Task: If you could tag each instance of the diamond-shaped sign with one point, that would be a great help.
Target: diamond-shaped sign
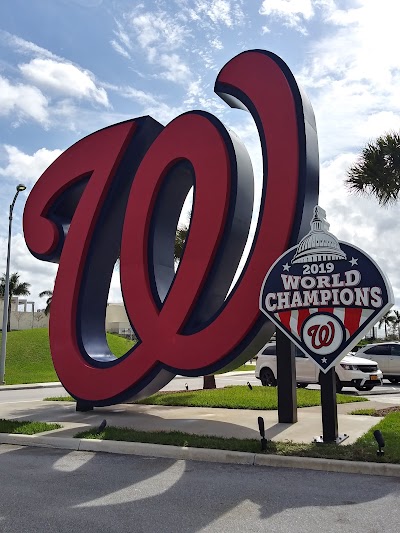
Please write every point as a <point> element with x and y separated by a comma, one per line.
<point>325,294</point>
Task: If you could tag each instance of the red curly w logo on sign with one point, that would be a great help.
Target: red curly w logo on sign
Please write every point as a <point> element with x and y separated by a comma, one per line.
<point>120,191</point>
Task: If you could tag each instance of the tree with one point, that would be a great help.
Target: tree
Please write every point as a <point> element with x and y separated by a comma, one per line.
<point>49,295</point>
<point>387,320</point>
<point>377,171</point>
<point>396,322</point>
<point>16,288</point>
<point>180,239</point>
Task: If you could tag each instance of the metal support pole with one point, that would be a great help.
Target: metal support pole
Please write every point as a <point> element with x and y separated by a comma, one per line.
<point>329,406</point>
<point>286,370</point>
<point>7,290</point>
<point>83,406</point>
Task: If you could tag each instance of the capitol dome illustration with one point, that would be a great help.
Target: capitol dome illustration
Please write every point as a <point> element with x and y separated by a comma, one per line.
<point>318,244</point>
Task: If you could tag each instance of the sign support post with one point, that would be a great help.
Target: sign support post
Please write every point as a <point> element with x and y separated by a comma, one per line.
<point>329,406</point>
<point>286,370</point>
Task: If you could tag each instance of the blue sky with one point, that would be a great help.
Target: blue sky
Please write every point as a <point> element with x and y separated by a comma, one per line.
<point>70,67</point>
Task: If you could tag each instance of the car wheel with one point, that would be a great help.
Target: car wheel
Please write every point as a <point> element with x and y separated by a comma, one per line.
<point>365,387</point>
<point>267,378</point>
<point>394,380</point>
<point>302,385</point>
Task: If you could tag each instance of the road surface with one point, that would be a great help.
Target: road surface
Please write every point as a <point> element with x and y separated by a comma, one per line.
<point>180,382</point>
<point>52,491</point>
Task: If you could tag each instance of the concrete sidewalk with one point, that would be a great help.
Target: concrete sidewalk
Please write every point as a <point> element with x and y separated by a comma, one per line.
<point>237,423</point>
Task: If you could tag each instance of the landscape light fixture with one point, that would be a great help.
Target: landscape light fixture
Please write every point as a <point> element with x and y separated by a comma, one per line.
<point>381,442</point>
<point>249,385</point>
<point>261,427</point>
<point>102,426</point>
<point>20,187</point>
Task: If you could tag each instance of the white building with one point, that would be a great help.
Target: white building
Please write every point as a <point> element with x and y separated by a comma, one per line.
<point>117,319</point>
<point>23,315</point>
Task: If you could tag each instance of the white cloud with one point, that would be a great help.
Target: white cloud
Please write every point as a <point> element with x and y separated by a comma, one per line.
<point>23,101</point>
<point>27,168</point>
<point>56,92</point>
<point>64,79</point>
<point>293,13</point>
<point>123,44</point>
<point>141,97</point>
<point>174,69</point>
<point>160,36</point>
<point>114,293</point>
<point>120,49</point>
<point>217,12</point>
<point>159,30</point>
<point>216,43</point>
<point>353,76</point>
<point>25,47</point>
<point>39,274</point>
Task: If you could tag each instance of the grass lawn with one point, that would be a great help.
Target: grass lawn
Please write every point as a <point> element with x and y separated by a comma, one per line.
<point>28,355</point>
<point>26,427</point>
<point>235,397</point>
<point>364,449</point>
<point>240,397</point>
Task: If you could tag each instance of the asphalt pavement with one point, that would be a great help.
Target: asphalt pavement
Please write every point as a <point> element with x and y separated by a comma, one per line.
<point>52,490</point>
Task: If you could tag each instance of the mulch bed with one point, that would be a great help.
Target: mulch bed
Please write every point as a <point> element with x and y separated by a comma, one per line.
<point>387,410</point>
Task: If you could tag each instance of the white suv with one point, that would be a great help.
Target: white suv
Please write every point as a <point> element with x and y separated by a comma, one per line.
<point>387,354</point>
<point>352,371</point>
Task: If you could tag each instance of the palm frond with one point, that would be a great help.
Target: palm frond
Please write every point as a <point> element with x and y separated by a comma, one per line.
<point>377,171</point>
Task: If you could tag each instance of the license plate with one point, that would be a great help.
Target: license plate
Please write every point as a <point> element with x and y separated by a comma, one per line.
<point>373,378</point>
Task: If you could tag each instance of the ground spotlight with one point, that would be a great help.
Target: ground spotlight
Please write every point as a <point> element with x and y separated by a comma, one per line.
<point>186,386</point>
<point>381,442</point>
<point>261,427</point>
<point>249,385</point>
<point>102,426</point>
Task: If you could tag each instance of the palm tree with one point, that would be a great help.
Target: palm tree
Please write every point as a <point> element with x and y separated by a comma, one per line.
<point>377,171</point>
<point>396,321</point>
<point>387,320</point>
<point>49,295</point>
<point>180,238</point>
<point>16,288</point>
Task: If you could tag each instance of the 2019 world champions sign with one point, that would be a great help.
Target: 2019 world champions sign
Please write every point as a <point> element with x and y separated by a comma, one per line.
<point>119,193</point>
<point>325,294</point>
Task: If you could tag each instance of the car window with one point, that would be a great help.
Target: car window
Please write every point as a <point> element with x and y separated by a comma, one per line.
<point>379,349</point>
<point>270,350</point>
<point>395,349</point>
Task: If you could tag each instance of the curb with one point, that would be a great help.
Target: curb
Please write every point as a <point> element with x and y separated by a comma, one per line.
<point>202,454</point>
<point>23,386</point>
<point>30,386</point>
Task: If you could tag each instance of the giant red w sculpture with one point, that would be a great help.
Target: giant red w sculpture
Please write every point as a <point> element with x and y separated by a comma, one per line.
<point>120,191</point>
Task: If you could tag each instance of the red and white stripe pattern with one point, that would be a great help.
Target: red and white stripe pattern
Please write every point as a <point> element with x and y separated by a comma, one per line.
<point>352,318</point>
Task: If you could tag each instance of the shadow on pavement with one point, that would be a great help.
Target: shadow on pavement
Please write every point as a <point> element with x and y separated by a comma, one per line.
<point>54,491</point>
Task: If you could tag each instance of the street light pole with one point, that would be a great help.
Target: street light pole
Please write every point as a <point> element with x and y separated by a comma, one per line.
<point>20,188</point>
